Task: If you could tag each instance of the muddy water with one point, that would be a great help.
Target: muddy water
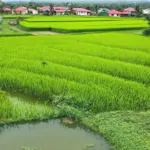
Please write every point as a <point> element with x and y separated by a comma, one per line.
<point>51,135</point>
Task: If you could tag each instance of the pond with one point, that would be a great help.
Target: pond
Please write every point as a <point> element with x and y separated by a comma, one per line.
<point>50,135</point>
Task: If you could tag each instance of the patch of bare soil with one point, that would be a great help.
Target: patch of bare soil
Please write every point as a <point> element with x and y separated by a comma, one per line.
<point>44,33</point>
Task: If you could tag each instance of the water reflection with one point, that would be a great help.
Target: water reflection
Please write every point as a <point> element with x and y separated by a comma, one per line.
<point>50,135</point>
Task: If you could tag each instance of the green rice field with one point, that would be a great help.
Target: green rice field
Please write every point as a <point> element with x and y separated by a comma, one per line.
<point>100,79</point>
<point>75,24</point>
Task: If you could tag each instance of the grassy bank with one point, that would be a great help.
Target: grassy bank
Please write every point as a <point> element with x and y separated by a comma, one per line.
<point>119,127</point>
<point>8,30</point>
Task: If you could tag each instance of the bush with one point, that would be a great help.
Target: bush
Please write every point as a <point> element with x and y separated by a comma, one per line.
<point>147,32</point>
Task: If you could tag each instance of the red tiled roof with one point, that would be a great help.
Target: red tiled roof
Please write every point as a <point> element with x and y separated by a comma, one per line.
<point>57,8</point>
<point>130,9</point>
<point>7,9</point>
<point>82,10</point>
<point>45,8</point>
<point>60,8</point>
<point>20,9</point>
<point>114,12</point>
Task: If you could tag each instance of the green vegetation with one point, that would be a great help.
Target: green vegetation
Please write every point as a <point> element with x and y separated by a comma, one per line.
<point>74,24</point>
<point>147,31</point>
<point>12,16</point>
<point>18,111</point>
<point>8,30</point>
<point>69,73</point>
<point>129,130</point>
<point>74,19</point>
<point>102,80</point>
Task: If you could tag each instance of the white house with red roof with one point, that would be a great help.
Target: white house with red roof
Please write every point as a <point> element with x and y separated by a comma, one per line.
<point>114,13</point>
<point>32,11</point>
<point>21,10</point>
<point>130,9</point>
<point>146,11</point>
<point>59,10</point>
<point>7,10</point>
<point>82,11</point>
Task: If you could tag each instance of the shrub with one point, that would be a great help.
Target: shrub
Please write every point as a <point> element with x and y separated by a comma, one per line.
<point>147,32</point>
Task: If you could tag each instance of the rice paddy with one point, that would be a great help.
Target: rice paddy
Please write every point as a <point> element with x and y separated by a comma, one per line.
<point>99,79</point>
<point>79,24</point>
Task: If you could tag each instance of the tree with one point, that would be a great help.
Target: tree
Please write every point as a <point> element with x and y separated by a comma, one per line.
<point>147,31</point>
<point>96,8</point>
<point>138,11</point>
<point>52,11</point>
<point>1,6</point>
<point>71,8</point>
<point>148,19</point>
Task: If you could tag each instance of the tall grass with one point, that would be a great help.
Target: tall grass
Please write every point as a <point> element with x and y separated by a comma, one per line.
<point>12,111</point>
<point>91,79</point>
<point>83,96</point>
<point>5,106</point>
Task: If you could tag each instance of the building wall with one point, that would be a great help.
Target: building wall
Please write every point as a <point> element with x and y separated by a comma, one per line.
<point>34,12</point>
<point>82,13</point>
<point>146,12</point>
<point>58,13</point>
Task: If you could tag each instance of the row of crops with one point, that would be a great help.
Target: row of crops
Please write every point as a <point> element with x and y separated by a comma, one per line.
<point>91,74</point>
<point>78,24</point>
<point>74,19</point>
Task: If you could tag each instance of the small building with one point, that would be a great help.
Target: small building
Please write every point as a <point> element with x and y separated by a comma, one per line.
<point>129,12</point>
<point>59,10</point>
<point>44,8</point>
<point>125,13</point>
<point>7,10</point>
<point>103,11</point>
<point>82,11</point>
<point>146,11</point>
<point>114,13</point>
<point>130,9</point>
<point>21,10</point>
<point>32,11</point>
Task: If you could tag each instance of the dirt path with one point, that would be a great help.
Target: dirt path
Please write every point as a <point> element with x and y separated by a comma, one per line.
<point>43,33</point>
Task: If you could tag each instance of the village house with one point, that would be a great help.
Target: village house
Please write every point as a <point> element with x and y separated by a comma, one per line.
<point>7,10</point>
<point>114,13</point>
<point>21,10</point>
<point>32,11</point>
<point>126,12</point>
<point>58,10</point>
<point>146,11</point>
<point>82,11</point>
<point>103,11</point>
<point>129,11</point>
